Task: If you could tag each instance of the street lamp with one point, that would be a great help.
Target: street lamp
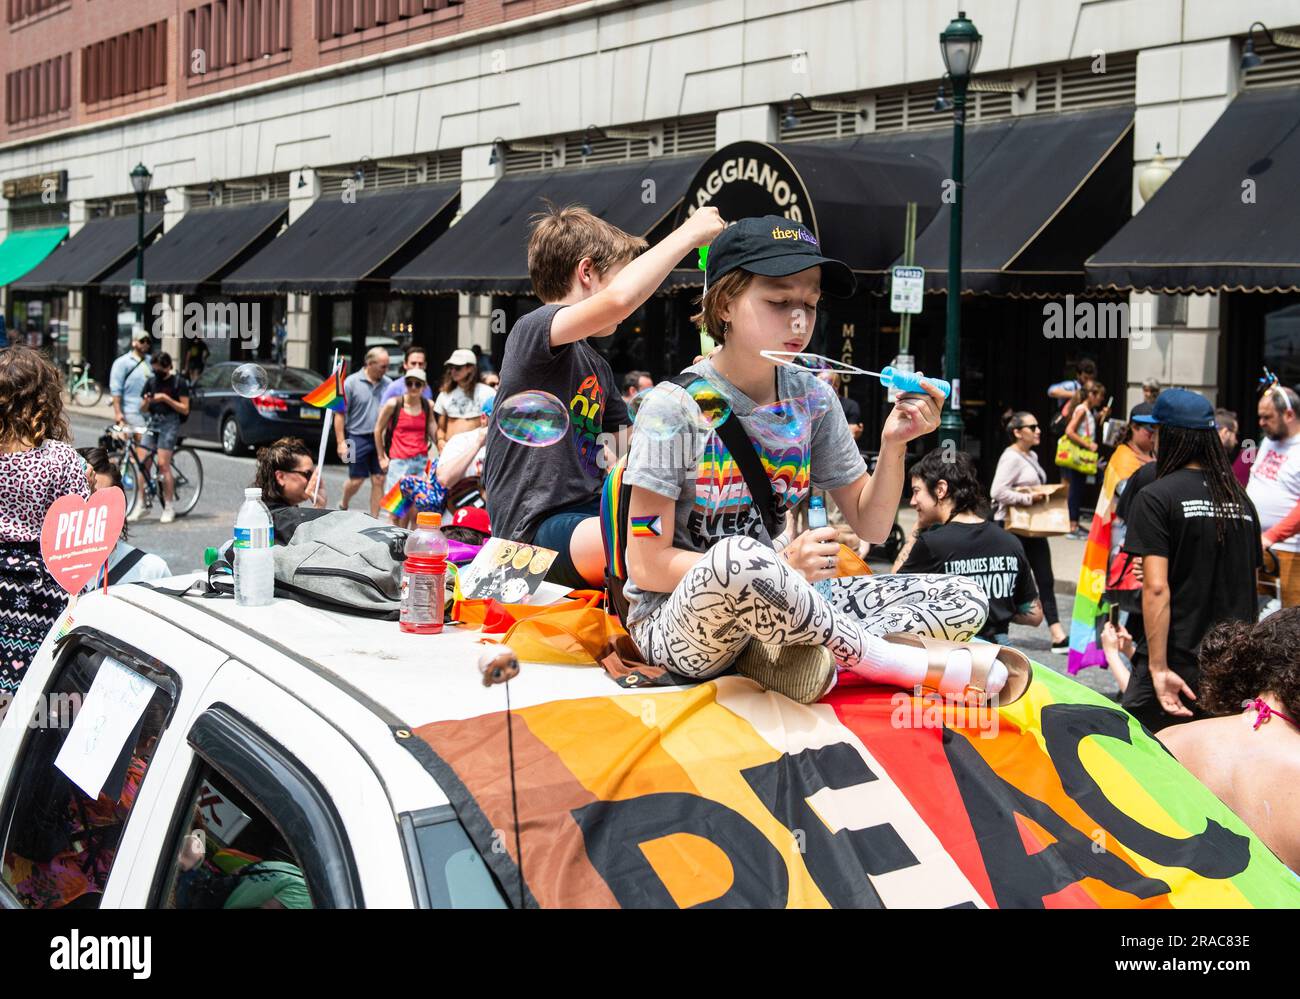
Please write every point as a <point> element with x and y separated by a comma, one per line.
<point>141,178</point>
<point>960,45</point>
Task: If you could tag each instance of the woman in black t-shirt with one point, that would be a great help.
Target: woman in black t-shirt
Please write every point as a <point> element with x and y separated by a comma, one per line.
<point>954,535</point>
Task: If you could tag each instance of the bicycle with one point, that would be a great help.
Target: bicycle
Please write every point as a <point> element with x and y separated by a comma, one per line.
<point>82,389</point>
<point>139,483</point>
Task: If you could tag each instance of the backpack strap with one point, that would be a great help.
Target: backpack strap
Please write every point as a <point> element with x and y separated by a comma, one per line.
<point>129,561</point>
<point>732,434</point>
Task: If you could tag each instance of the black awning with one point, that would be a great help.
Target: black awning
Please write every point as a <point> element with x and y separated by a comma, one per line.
<point>486,252</point>
<point>1041,193</point>
<point>201,247</point>
<point>339,247</point>
<point>1228,217</point>
<point>99,247</point>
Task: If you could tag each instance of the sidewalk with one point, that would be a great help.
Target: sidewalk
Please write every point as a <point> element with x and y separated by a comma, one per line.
<point>1067,556</point>
<point>101,414</point>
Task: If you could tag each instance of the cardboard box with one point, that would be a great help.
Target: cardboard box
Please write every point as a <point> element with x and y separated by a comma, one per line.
<point>1042,520</point>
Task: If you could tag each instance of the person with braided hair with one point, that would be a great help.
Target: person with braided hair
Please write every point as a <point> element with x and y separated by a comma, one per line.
<point>1198,535</point>
<point>1250,758</point>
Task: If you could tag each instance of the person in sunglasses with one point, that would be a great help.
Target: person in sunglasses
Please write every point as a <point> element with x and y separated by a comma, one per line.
<point>286,474</point>
<point>1014,482</point>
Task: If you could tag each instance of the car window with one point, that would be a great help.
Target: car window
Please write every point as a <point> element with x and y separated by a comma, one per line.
<point>76,780</point>
<point>291,379</point>
<point>455,876</point>
<point>228,854</point>
<point>211,376</point>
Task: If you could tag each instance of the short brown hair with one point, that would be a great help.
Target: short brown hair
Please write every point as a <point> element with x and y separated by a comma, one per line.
<point>31,398</point>
<point>721,294</point>
<point>281,456</point>
<point>562,237</point>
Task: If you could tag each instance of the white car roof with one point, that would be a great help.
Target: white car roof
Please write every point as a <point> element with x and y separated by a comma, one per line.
<point>416,678</point>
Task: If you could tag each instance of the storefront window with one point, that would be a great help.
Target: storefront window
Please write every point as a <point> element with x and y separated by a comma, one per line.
<point>1282,343</point>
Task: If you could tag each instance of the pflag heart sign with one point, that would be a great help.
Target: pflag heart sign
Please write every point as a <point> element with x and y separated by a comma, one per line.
<point>79,534</point>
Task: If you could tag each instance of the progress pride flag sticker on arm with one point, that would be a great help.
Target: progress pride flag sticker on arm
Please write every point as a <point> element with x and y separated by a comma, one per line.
<point>78,535</point>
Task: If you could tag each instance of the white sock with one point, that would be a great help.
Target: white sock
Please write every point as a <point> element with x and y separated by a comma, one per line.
<point>906,666</point>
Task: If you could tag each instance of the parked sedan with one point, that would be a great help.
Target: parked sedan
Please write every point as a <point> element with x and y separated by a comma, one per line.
<point>218,413</point>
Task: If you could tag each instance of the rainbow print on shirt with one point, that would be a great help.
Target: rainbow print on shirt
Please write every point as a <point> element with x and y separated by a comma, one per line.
<point>723,505</point>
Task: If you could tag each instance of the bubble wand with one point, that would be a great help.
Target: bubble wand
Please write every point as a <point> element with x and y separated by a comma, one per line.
<point>706,342</point>
<point>890,377</point>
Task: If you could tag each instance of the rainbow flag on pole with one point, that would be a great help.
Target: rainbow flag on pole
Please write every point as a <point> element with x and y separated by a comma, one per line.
<point>329,393</point>
<point>1088,596</point>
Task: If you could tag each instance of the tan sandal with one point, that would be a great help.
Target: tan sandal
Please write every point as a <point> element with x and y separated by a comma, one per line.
<point>803,673</point>
<point>1020,673</point>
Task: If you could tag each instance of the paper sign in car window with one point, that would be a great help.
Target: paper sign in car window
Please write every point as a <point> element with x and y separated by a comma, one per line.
<point>108,717</point>
<point>223,818</point>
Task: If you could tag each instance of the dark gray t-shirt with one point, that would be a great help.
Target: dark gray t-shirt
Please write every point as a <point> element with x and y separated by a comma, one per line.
<point>525,485</point>
<point>674,454</point>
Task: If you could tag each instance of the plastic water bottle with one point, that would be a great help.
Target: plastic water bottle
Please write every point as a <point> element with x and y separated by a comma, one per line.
<point>254,561</point>
<point>424,575</point>
<point>816,513</point>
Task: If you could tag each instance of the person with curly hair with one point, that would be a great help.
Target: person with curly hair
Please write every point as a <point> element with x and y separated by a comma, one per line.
<point>37,466</point>
<point>1248,753</point>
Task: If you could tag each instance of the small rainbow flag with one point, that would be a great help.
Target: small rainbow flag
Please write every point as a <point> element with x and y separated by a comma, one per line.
<point>394,502</point>
<point>646,527</point>
<point>329,393</point>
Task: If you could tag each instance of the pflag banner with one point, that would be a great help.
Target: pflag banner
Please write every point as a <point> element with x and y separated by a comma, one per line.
<point>723,795</point>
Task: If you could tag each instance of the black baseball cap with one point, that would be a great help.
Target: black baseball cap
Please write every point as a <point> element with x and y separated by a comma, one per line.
<point>774,246</point>
<point>1180,408</point>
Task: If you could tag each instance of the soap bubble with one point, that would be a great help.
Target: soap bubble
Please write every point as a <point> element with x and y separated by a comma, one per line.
<point>784,424</point>
<point>249,380</point>
<point>533,419</point>
<point>668,410</point>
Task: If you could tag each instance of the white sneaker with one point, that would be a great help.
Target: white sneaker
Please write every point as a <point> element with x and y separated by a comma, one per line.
<point>136,513</point>
<point>168,515</point>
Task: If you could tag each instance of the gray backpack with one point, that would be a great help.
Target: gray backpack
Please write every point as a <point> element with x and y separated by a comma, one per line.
<point>345,560</point>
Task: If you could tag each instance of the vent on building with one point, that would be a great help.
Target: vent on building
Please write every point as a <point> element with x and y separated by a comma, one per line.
<point>696,134</point>
<point>124,205</point>
<point>1076,85</point>
<point>1280,68</point>
<point>434,168</point>
<point>526,160</point>
<point>239,192</point>
<point>37,215</point>
<point>816,125</point>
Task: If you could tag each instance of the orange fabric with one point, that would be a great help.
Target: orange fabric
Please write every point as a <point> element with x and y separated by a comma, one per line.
<point>1288,574</point>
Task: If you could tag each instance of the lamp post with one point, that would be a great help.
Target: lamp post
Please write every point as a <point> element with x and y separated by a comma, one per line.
<point>140,181</point>
<point>960,45</point>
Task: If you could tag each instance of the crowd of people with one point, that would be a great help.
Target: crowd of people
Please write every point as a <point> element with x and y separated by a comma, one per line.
<point>721,573</point>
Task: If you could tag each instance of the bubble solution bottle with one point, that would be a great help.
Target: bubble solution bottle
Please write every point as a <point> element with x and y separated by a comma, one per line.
<point>254,561</point>
<point>424,576</point>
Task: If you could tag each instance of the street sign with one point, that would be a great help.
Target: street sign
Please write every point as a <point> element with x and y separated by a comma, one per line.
<point>137,292</point>
<point>907,289</point>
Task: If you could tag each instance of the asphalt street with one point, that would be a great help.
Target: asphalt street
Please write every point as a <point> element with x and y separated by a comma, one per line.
<point>211,523</point>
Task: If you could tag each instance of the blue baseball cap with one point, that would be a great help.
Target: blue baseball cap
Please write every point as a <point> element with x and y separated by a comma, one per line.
<point>1180,408</point>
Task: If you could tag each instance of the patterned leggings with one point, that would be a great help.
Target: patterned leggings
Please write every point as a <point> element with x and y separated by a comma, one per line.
<point>740,589</point>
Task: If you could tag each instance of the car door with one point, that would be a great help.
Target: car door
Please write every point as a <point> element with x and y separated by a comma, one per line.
<point>298,793</point>
<point>87,771</point>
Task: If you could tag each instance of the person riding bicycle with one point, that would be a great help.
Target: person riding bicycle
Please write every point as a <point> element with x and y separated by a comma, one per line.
<point>166,399</point>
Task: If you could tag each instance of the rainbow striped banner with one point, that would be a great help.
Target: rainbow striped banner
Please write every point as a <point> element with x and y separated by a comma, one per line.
<point>1089,605</point>
<point>723,795</point>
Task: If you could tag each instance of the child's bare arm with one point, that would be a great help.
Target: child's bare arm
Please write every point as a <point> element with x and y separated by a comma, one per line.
<point>636,282</point>
<point>652,562</point>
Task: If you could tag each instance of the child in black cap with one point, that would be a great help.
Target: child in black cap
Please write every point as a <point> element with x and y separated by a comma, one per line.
<point>706,575</point>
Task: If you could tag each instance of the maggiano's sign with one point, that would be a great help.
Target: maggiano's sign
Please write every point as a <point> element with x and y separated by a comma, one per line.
<point>747,179</point>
